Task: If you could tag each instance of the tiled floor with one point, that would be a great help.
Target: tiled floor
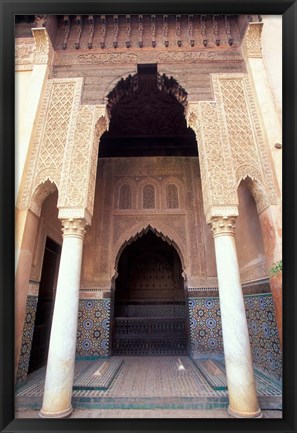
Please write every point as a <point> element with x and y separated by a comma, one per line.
<point>142,387</point>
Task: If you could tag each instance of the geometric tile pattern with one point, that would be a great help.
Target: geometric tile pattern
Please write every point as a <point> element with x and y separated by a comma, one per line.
<point>205,326</point>
<point>93,328</point>
<point>28,331</point>
<point>263,333</point>
<point>206,330</point>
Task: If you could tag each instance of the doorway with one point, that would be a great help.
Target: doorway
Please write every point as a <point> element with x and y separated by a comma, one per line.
<point>46,298</point>
<point>149,304</point>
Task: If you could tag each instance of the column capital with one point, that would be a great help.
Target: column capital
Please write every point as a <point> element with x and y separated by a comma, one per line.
<point>223,225</point>
<point>73,227</point>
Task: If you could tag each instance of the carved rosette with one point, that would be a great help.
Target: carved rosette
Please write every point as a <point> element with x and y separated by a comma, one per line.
<point>74,227</point>
<point>222,226</point>
<point>43,47</point>
<point>251,45</point>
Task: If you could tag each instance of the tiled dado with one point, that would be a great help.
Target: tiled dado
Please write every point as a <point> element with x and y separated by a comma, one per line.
<point>93,327</point>
<point>206,330</point>
<point>205,326</point>
<point>263,332</point>
<point>28,331</point>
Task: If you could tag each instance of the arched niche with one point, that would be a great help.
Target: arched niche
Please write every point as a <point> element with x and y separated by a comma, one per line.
<point>164,233</point>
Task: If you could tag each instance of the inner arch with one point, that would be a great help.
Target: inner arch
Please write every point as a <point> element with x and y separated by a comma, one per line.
<point>149,303</point>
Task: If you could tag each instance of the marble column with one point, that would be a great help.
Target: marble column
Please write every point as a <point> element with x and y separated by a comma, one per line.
<point>243,401</point>
<point>61,357</point>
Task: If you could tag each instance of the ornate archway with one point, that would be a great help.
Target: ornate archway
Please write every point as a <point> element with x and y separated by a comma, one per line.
<point>149,302</point>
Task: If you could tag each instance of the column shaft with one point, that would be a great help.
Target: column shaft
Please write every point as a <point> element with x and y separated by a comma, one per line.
<point>243,401</point>
<point>61,357</point>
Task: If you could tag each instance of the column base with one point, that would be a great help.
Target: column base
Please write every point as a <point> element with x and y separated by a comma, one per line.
<point>62,414</point>
<point>237,414</point>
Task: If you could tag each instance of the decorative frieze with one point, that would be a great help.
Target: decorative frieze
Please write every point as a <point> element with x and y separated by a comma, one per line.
<point>96,57</point>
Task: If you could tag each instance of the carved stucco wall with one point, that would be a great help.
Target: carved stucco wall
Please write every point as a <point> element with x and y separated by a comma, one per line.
<point>231,146</point>
<point>113,228</point>
<point>64,150</point>
<point>103,70</point>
